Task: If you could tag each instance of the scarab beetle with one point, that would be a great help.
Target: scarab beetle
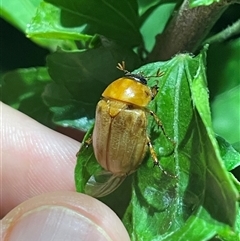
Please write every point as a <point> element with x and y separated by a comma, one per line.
<point>120,140</point>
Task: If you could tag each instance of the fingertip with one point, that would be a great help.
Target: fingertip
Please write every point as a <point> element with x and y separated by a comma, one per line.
<point>71,215</point>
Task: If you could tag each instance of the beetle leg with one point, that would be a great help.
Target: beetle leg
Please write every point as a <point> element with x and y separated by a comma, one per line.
<point>155,159</point>
<point>159,123</point>
<point>154,156</point>
<point>88,142</point>
<point>154,90</point>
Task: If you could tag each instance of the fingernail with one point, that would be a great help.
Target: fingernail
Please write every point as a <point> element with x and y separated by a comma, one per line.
<point>56,223</point>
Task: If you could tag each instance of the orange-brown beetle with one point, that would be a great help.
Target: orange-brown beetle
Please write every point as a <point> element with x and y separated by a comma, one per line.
<point>120,140</point>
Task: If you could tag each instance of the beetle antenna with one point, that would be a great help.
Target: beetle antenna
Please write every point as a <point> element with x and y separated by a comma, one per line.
<point>121,66</point>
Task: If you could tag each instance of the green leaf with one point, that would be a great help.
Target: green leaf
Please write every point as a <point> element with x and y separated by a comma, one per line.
<point>47,24</point>
<point>229,155</point>
<point>79,80</point>
<point>238,223</point>
<point>86,163</point>
<point>152,24</point>
<point>19,13</point>
<point>116,20</point>
<point>224,85</point>
<point>198,3</point>
<point>186,207</point>
<point>22,89</point>
<point>220,188</point>
<point>223,67</point>
<point>227,125</point>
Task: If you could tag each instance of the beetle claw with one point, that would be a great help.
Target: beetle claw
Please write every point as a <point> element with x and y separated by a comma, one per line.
<point>88,142</point>
<point>165,172</point>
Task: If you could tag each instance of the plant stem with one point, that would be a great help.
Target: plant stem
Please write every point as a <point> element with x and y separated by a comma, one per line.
<point>186,30</point>
<point>225,34</point>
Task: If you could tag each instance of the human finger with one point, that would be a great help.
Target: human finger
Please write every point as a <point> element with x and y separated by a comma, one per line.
<point>35,159</point>
<point>63,216</point>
